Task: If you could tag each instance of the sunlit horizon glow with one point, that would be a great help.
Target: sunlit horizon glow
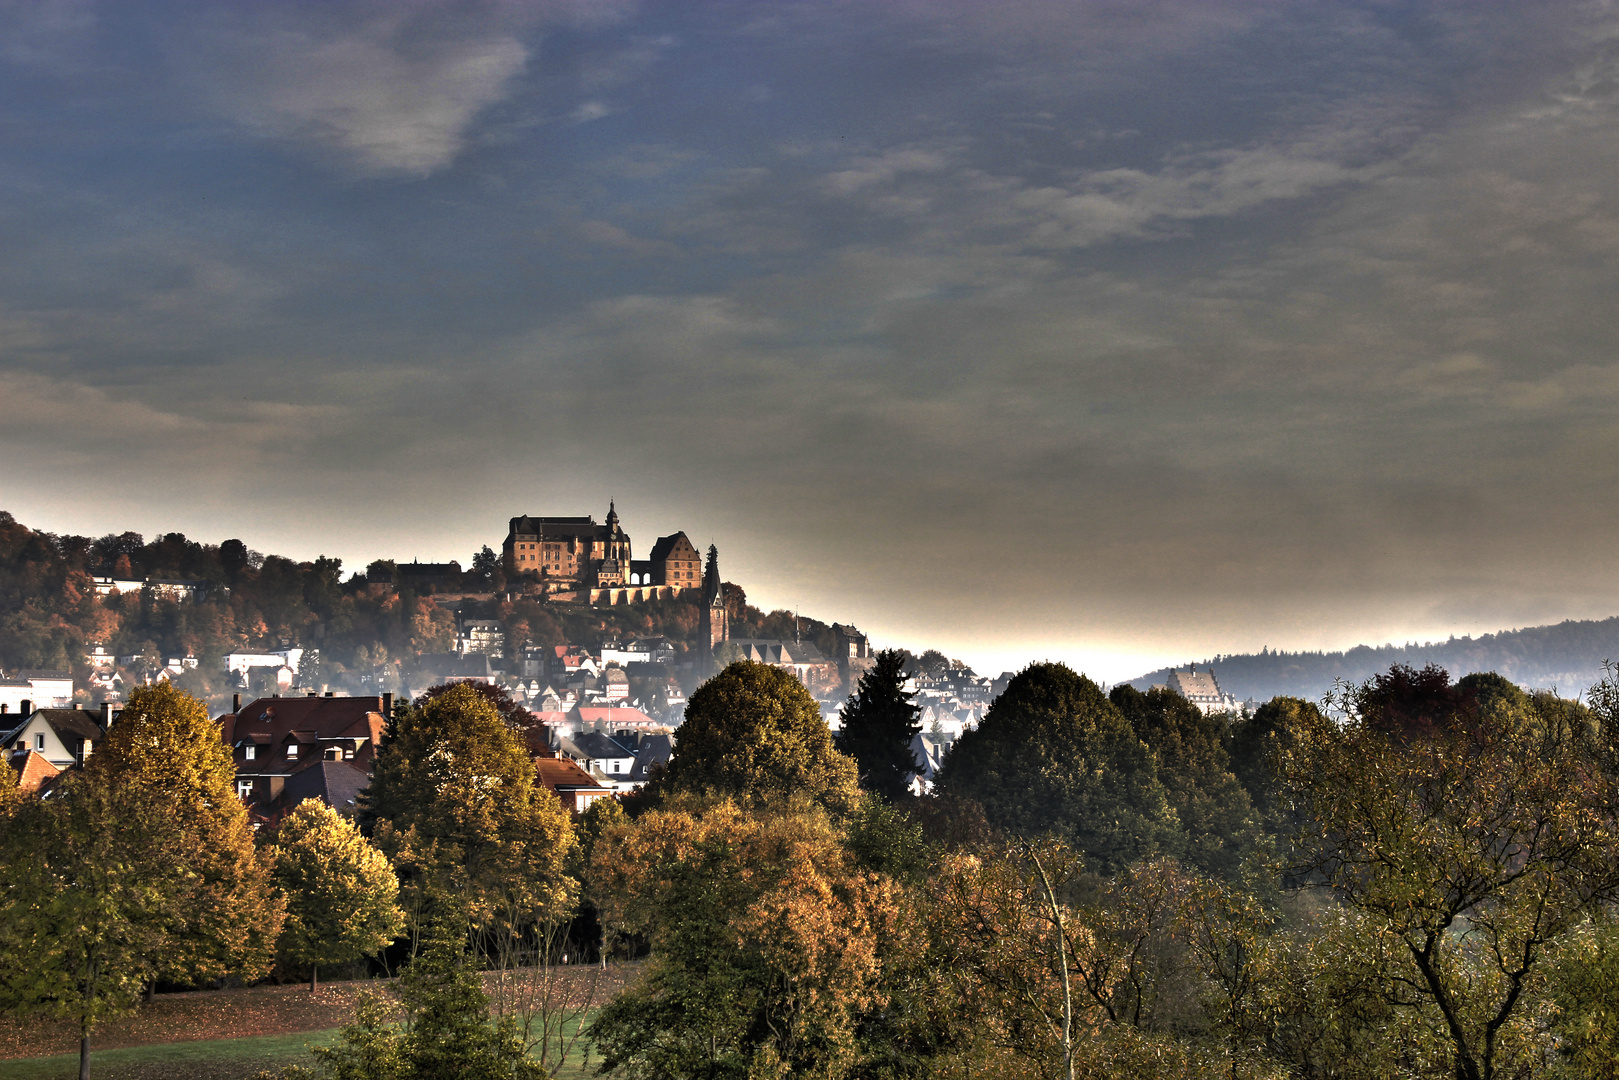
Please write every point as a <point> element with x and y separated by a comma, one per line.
<point>1119,334</point>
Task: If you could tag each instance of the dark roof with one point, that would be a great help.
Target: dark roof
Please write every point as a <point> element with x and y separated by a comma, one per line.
<point>455,666</point>
<point>558,528</point>
<point>666,545</point>
<point>271,720</point>
<point>336,783</point>
<point>593,744</point>
<point>43,673</point>
<point>653,750</point>
<point>78,723</point>
<point>775,651</point>
<point>426,569</point>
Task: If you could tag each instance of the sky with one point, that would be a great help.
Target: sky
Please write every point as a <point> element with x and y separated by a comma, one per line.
<point>1123,332</point>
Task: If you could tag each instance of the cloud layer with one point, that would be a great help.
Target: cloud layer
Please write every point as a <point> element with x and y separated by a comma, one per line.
<point>1127,332</point>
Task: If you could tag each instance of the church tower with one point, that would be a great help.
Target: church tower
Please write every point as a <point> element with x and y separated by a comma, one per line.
<point>714,621</point>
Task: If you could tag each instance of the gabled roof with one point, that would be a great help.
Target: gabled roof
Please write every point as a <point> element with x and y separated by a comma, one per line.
<point>666,545</point>
<point>72,726</point>
<point>554,773</point>
<point>593,744</point>
<point>612,717</point>
<point>307,719</point>
<point>44,673</point>
<point>336,783</point>
<point>32,769</point>
<point>558,528</point>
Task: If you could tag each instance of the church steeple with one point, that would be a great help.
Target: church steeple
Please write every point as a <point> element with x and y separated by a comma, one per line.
<point>612,519</point>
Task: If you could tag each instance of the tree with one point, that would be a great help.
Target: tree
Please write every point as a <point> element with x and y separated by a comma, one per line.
<point>766,942</point>
<point>342,895</point>
<point>879,722</point>
<point>141,867</point>
<point>1471,837</point>
<point>1216,819</point>
<point>1260,743</point>
<point>1052,754</point>
<point>454,802</point>
<point>753,733</point>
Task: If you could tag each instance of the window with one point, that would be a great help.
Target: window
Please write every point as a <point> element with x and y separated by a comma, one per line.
<point>292,749</point>
<point>249,752</point>
<point>39,741</point>
<point>348,753</point>
<point>244,789</point>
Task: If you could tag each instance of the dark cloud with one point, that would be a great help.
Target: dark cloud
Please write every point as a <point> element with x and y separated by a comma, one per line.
<point>1114,331</point>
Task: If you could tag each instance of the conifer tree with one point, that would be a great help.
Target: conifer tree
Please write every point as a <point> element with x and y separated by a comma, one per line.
<point>342,895</point>
<point>879,722</point>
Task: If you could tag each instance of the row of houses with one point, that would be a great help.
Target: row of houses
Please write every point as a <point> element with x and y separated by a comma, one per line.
<point>288,749</point>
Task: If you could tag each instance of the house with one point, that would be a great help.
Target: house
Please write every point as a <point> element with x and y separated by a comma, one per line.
<point>610,718</point>
<point>63,737</point>
<point>1202,689</point>
<point>802,658</point>
<point>165,588</point>
<point>599,754</point>
<point>652,751</point>
<point>238,663</point>
<point>425,578</point>
<point>479,636</point>
<point>98,657</point>
<point>45,689</point>
<point>570,783</point>
<point>275,738</point>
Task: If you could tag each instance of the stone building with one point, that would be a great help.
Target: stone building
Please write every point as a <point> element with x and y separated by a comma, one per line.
<point>568,553</point>
<point>714,621</point>
<point>1202,689</point>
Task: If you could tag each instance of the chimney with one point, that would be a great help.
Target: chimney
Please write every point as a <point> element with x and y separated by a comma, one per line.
<point>236,703</point>
<point>388,706</point>
<point>106,715</point>
<point>27,708</point>
<point>330,694</point>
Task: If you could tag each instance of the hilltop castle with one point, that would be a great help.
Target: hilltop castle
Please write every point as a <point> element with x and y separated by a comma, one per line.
<point>594,562</point>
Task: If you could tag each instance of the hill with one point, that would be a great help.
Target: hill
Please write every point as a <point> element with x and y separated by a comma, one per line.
<point>1567,657</point>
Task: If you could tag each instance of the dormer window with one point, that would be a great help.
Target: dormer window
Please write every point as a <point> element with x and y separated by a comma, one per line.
<point>292,750</point>
<point>249,752</point>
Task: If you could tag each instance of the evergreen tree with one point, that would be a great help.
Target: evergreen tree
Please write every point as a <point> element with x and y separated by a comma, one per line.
<point>879,722</point>
<point>342,895</point>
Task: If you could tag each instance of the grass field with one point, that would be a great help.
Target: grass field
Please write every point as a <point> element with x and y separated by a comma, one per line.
<point>223,1035</point>
<point>203,1059</point>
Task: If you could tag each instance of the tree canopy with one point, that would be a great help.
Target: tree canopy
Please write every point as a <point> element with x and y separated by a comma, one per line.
<point>454,802</point>
<point>753,733</point>
<point>1054,755</point>
<point>342,895</point>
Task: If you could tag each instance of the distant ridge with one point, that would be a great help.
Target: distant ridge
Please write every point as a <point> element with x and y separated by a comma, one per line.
<point>1566,656</point>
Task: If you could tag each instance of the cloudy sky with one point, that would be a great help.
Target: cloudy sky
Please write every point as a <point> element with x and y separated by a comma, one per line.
<point>1121,331</point>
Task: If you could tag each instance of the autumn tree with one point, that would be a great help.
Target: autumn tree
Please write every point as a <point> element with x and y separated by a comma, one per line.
<point>879,722</point>
<point>140,867</point>
<point>753,733</point>
<point>765,938</point>
<point>342,895</point>
<point>1054,755</point>
<point>453,801</point>
<point>1471,837</point>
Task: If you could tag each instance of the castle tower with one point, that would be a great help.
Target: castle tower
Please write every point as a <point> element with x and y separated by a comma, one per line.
<point>714,622</point>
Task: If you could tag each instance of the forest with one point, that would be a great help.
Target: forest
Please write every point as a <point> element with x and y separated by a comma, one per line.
<point>1416,879</point>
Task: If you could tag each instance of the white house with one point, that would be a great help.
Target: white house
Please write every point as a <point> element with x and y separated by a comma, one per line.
<point>64,737</point>
<point>238,663</point>
<point>41,689</point>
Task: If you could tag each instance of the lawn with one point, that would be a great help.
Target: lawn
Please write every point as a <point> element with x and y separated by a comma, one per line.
<point>203,1059</point>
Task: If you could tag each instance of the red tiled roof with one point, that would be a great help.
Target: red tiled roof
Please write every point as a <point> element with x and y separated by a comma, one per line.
<point>34,769</point>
